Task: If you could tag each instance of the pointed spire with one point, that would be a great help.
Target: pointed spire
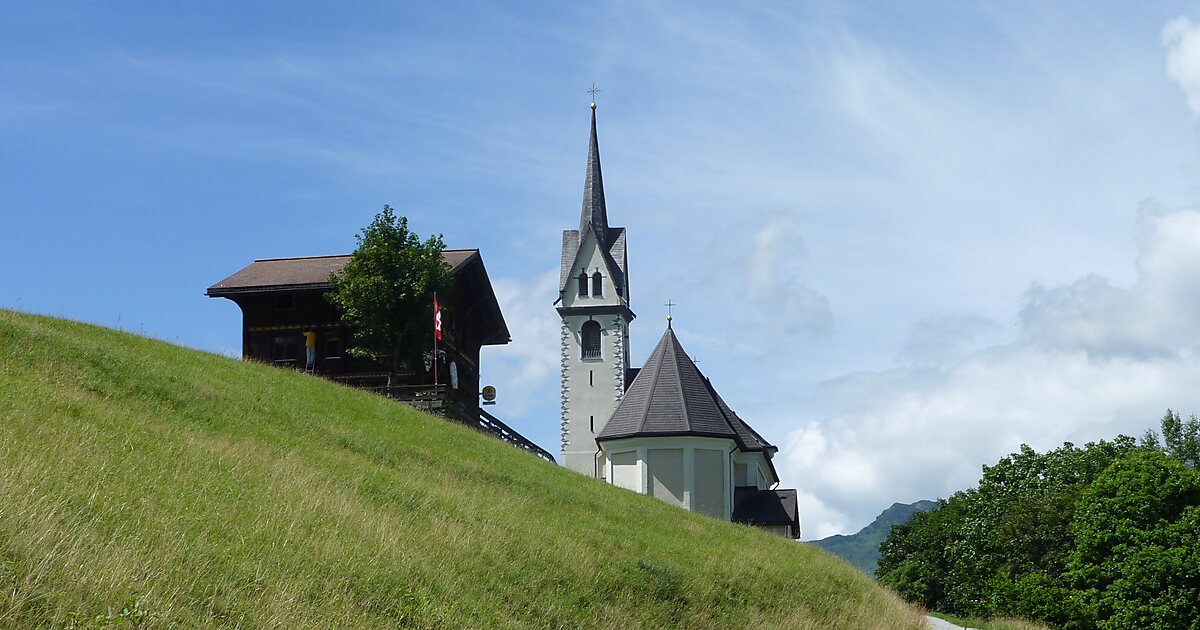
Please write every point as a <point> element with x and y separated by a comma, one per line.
<point>594,212</point>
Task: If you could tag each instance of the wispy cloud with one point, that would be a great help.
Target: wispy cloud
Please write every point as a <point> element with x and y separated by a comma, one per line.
<point>1089,359</point>
<point>1182,38</point>
<point>524,372</point>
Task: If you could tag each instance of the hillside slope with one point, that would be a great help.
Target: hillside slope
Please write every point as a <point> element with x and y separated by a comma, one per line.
<point>145,482</point>
<point>862,549</point>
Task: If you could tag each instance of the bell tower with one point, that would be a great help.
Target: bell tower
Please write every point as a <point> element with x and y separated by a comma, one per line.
<point>593,304</point>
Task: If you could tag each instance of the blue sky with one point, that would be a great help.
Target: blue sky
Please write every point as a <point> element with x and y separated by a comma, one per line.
<point>903,239</point>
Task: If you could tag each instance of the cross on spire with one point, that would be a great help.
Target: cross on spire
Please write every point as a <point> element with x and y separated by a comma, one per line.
<point>669,305</point>
<point>594,91</point>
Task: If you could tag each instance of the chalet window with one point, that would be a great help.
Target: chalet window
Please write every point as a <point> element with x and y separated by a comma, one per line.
<point>591,339</point>
<point>285,302</point>
<point>583,284</point>
<point>597,285</point>
<point>283,349</point>
<point>333,347</point>
<point>259,347</point>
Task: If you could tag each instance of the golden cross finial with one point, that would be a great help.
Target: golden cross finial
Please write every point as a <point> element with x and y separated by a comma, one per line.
<point>669,305</point>
<point>594,91</point>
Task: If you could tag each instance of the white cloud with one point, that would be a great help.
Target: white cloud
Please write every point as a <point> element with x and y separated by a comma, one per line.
<point>523,369</point>
<point>1182,39</point>
<point>774,286</point>
<point>1089,360</point>
<point>1157,316</point>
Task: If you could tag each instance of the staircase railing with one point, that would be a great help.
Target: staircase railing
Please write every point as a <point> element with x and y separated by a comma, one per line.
<point>496,427</point>
<point>437,398</point>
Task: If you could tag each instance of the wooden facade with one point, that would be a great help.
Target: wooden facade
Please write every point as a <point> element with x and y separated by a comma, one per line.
<point>283,298</point>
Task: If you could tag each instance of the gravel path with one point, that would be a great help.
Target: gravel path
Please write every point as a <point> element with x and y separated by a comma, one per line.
<point>942,624</point>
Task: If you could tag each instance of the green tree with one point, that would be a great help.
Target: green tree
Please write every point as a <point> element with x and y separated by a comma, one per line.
<point>914,559</point>
<point>386,291</point>
<point>1001,548</point>
<point>1181,438</point>
<point>1136,562</point>
<point>1102,536</point>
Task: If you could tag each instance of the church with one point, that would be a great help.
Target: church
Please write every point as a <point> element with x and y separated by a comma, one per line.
<point>662,430</point>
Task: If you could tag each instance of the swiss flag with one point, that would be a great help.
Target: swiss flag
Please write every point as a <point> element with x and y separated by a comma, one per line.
<point>437,319</point>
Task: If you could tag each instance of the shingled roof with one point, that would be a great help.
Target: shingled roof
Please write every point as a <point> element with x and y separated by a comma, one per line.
<point>593,217</point>
<point>594,211</point>
<point>311,272</point>
<point>670,397</point>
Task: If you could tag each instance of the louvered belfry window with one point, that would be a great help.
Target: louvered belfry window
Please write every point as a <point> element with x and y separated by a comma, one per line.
<point>583,281</point>
<point>591,339</point>
<point>597,284</point>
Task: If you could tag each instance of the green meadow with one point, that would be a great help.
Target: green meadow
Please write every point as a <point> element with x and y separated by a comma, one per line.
<point>147,485</point>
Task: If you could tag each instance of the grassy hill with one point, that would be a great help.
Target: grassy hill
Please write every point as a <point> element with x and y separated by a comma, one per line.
<point>862,549</point>
<point>143,483</point>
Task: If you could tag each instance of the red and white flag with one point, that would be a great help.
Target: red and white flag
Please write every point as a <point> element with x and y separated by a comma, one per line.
<point>437,319</point>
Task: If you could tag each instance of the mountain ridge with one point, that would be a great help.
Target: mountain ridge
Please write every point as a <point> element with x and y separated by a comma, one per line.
<point>861,549</point>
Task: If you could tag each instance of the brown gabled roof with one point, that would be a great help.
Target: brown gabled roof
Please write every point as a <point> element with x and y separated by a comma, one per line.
<point>313,272</point>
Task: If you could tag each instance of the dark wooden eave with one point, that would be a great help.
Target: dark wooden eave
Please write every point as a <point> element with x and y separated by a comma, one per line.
<point>312,273</point>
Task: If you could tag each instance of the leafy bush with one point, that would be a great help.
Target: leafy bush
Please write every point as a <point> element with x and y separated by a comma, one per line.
<point>1135,559</point>
<point>1102,536</point>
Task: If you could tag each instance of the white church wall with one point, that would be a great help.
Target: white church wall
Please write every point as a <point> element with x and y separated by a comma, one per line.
<point>707,482</point>
<point>709,471</point>
<point>625,470</point>
<point>591,387</point>
<point>751,469</point>
<point>666,474</point>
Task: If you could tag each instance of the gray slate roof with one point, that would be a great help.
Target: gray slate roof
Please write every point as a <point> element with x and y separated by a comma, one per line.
<point>594,216</point>
<point>671,397</point>
<point>594,212</point>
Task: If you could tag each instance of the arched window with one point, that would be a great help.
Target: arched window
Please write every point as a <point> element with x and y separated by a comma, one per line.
<point>591,339</point>
<point>597,284</point>
<point>582,284</point>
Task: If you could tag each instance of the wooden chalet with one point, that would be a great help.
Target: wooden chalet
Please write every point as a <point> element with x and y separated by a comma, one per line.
<point>284,298</point>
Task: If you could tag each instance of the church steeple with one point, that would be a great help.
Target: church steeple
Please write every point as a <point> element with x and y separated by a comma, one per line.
<point>593,302</point>
<point>594,212</point>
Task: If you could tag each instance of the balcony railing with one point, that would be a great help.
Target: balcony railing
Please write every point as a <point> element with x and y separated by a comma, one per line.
<point>454,406</point>
<point>424,396</point>
<point>493,425</point>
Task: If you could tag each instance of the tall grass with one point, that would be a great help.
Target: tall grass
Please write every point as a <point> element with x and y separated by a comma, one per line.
<point>147,484</point>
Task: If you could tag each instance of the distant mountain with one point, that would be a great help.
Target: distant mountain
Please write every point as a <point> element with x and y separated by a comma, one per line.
<point>862,549</point>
